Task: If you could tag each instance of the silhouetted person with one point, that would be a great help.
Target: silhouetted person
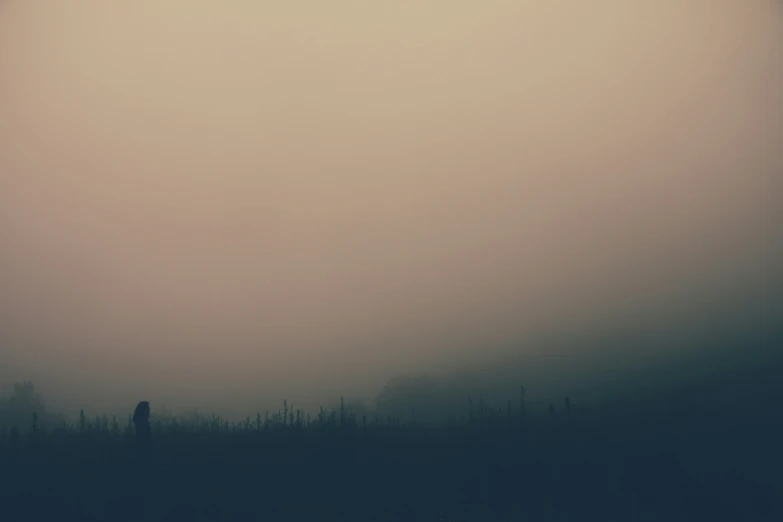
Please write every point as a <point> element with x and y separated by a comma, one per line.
<point>141,420</point>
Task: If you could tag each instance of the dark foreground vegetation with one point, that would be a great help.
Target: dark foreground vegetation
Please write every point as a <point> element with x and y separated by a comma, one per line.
<point>667,461</point>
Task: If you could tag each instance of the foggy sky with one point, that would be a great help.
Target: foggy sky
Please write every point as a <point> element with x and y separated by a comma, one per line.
<point>245,201</point>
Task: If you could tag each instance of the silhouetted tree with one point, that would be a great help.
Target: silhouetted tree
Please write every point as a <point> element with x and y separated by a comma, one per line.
<point>19,408</point>
<point>403,394</point>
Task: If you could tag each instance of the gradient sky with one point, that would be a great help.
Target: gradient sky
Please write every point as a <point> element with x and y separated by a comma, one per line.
<point>205,201</point>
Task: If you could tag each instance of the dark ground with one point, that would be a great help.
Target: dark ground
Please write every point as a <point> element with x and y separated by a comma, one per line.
<point>697,461</point>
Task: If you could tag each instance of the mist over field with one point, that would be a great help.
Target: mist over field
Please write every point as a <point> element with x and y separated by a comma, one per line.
<point>226,204</point>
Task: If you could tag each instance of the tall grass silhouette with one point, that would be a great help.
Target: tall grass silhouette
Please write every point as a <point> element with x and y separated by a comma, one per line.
<point>535,461</point>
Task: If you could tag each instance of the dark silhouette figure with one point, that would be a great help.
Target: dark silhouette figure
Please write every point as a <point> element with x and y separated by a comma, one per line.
<point>141,420</point>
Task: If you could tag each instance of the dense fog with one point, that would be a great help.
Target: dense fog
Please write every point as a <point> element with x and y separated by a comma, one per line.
<point>226,204</point>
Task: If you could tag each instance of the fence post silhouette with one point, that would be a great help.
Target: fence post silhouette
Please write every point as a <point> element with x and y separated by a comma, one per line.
<point>141,421</point>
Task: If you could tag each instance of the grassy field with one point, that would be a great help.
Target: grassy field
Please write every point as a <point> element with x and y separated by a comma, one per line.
<point>502,464</point>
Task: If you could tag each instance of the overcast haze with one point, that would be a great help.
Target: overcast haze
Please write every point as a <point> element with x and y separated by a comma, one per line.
<point>216,201</point>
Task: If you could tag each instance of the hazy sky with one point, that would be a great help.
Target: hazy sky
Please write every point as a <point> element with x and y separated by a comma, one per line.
<point>204,199</point>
